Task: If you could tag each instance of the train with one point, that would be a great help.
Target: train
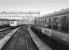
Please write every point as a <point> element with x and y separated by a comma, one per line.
<point>57,21</point>
<point>54,25</point>
<point>7,23</point>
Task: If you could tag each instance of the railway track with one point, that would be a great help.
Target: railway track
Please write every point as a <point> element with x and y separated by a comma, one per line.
<point>21,40</point>
<point>5,35</point>
<point>5,31</point>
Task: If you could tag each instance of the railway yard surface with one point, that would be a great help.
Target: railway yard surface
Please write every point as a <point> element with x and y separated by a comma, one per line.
<point>27,38</point>
<point>21,40</point>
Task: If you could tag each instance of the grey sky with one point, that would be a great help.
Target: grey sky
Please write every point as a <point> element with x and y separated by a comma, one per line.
<point>45,6</point>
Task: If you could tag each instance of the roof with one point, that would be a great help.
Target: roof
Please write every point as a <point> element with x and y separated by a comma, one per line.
<point>63,11</point>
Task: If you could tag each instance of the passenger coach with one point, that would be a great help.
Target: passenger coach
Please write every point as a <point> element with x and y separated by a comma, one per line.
<point>58,21</point>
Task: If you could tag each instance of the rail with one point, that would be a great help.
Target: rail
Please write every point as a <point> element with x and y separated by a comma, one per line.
<point>5,39</point>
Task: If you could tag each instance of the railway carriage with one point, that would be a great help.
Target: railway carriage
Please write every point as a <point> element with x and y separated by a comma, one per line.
<point>4,24</point>
<point>58,21</point>
<point>55,26</point>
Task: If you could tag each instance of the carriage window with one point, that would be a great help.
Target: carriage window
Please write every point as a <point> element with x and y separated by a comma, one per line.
<point>12,22</point>
<point>64,18</point>
<point>45,20</point>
